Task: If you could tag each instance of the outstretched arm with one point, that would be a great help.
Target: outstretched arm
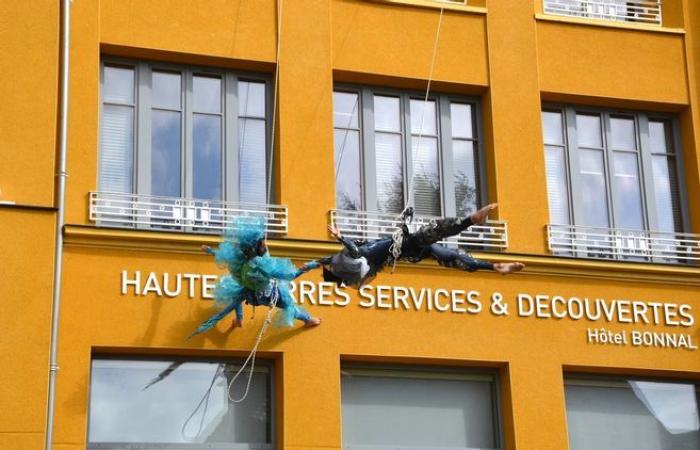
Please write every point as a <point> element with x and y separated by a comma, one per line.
<point>208,250</point>
<point>348,244</point>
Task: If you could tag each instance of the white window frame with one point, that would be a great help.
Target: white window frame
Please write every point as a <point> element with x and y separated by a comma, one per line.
<point>641,120</point>
<point>141,176</point>
<point>368,177</point>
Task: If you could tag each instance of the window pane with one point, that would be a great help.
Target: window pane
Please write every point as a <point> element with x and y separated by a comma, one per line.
<point>123,410</point>
<point>251,99</point>
<point>632,416</point>
<point>426,176</point>
<point>348,193</point>
<point>389,162</point>
<point>423,115</point>
<point>165,153</point>
<point>345,109</point>
<point>166,90</point>
<point>465,174</point>
<point>627,194</point>
<point>386,114</point>
<point>666,194</point>
<point>622,134</point>
<point>206,94</point>
<point>593,189</point>
<point>588,130</point>
<point>253,167</point>
<point>552,128</point>
<point>416,412</point>
<point>461,120</point>
<point>118,85</point>
<point>557,187</point>
<point>117,149</point>
<point>206,158</point>
<point>659,133</point>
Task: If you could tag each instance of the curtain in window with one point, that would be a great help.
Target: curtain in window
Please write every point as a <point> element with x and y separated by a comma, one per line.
<point>252,142</point>
<point>117,146</point>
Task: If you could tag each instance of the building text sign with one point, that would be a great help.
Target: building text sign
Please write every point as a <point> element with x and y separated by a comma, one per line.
<point>526,305</point>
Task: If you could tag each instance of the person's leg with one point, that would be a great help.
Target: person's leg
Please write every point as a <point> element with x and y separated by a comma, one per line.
<point>449,257</point>
<point>443,228</point>
<point>291,312</point>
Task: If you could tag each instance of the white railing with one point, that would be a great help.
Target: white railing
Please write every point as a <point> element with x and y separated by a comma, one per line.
<point>630,245</point>
<point>640,11</point>
<point>113,209</point>
<point>493,235</point>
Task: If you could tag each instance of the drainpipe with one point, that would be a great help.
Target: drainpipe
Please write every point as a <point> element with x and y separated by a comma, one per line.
<point>60,217</point>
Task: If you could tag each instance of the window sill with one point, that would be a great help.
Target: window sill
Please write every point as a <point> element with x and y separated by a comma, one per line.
<point>608,24</point>
<point>435,4</point>
<point>536,265</point>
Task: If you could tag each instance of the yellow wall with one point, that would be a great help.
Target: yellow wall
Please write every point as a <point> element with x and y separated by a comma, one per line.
<point>505,52</point>
<point>26,243</point>
<point>28,82</point>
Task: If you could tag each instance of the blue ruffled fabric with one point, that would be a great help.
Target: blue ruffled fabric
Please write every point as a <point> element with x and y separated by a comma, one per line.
<point>250,280</point>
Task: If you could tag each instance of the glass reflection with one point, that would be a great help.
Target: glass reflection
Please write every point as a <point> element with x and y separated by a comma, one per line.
<point>165,153</point>
<point>593,187</point>
<point>206,94</point>
<point>389,163</point>
<point>552,128</point>
<point>557,187</point>
<point>588,130</point>
<point>666,194</point>
<point>386,114</point>
<point>634,416</point>
<point>252,160</point>
<point>117,149</point>
<point>166,90</point>
<point>426,176</point>
<point>658,137</point>
<point>345,109</point>
<point>206,171</point>
<point>423,115</point>
<point>347,186</point>
<point>622,134</point>
<point>627,192</point>
<point>251,99</point>
<point>118,84</point>
<point>126,408</point>
<point>461,120</point>
<point>465,177</point>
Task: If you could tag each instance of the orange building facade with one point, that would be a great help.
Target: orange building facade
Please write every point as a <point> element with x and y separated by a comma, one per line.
<point>620,309</point>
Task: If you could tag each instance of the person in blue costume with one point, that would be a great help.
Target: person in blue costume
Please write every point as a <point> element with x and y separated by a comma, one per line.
<point>359,262</point>
<point>255,277</point>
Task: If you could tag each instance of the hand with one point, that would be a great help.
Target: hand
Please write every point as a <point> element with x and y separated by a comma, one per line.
<point>334,231</point>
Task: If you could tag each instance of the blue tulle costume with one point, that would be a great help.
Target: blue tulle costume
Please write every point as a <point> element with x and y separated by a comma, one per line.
<point>255,277</point>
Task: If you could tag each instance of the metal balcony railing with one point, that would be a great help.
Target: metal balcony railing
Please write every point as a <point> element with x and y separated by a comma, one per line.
<point>621,244</point>
<point>492,236</point>
<point>640,11</point>
<point>119,210</point>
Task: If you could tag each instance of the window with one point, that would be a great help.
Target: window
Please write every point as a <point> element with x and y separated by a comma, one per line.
<point>392,148</point>
<point>630,414</point>
<point>183,132</point>
<point>644,11</point>
<point>614,170</point>
<point>404,408</point>
<point>186,406</point>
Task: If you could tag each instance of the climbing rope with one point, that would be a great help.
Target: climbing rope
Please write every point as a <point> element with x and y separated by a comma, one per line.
<point>220,370</point>
<point>274,101</point>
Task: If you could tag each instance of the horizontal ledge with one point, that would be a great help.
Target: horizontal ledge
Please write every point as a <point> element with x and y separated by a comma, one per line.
<point>39,208</point>
<point>608,24</point>
<point>536,265</point>
<point>437,5</point>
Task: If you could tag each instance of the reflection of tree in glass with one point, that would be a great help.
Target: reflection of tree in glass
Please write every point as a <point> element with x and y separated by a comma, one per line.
<point>392,199</point>
<point>465,194</point>
<point>347,203</point>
